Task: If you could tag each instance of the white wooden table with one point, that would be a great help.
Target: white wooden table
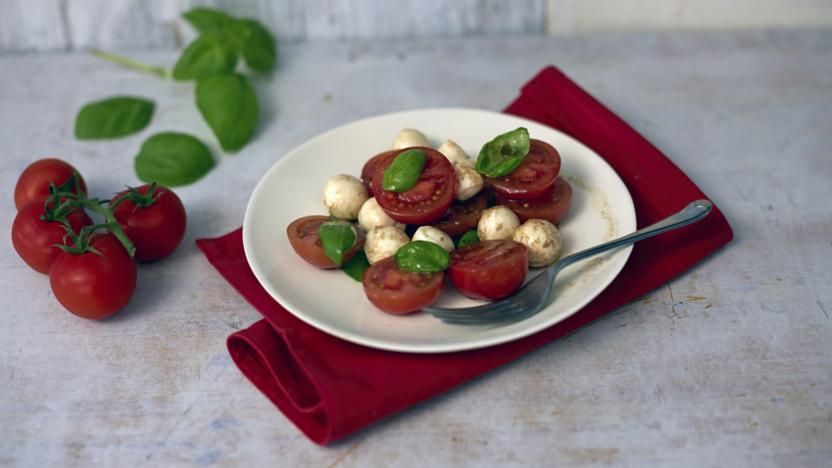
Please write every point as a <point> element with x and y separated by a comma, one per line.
<point>729,364</point>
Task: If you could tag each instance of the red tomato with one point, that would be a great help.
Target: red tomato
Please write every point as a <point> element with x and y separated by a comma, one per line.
<point>490,270</point>
<point>94,286</point>
<point>371,175</point>
<point>34,181</point>
<point>35,239</point>
<point>428,200</point>
<point>155,230</point>
<point>533,177</point>
<point>400,292</point>
<point>463,216</point>
<point>303,235</point>
<point>552,207</point>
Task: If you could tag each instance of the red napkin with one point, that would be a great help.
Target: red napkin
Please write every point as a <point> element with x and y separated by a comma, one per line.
<point>331,388</point>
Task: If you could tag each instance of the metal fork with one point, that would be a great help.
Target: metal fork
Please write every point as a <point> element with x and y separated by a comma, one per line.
<point>531,297</point>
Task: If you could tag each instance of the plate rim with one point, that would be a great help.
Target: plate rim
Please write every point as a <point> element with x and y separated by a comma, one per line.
<point>426,348</point>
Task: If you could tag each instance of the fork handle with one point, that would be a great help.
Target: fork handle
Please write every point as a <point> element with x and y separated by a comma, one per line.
<point>690,214</point>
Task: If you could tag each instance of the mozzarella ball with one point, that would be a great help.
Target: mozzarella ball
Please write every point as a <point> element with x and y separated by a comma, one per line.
<point>468,182</point>
<point>372,216</point>
<point>344,195</point>
<point>542,239</point>
<point>454,153</point>
<point>437,236</point>
<point>409,137</point>
<point>382,242</point>
<point>497,223</point>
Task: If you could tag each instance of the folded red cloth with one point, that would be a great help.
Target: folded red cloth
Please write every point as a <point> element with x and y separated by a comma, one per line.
<point>331,388</point>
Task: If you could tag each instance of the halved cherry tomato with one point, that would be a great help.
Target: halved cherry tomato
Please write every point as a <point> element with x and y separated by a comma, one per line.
<point>462,216</point>
<point>155,230</point>
<point>491,270</point>
<point>303,235</point>
<point>552,206</point>
<point>34,181</point>
<point>428,200</point>
<point>34,239</point>
<point>400,292</point>
<point>94,285</point>
<point>370,173</point>
<point>533,177</point>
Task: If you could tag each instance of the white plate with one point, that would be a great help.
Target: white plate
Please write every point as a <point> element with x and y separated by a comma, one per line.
<point>333,302</point>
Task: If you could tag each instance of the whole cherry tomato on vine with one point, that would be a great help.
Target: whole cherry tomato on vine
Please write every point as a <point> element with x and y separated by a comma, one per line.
<point>153,218</point>
<point>33,183</point>
<point>36,232</point>
<point>96,278</point>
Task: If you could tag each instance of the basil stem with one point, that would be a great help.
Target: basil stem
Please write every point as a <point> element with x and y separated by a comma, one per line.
<point>404,171</point>
<point>500,156</point>
<point>422,257</point>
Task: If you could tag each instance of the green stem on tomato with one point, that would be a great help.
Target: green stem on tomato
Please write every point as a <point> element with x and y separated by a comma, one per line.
<point>111,223</point>
<point>130,63</point>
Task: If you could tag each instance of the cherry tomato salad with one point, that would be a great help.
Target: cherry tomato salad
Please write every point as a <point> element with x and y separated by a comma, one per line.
<point>418,213</point>
<point>91,266</point>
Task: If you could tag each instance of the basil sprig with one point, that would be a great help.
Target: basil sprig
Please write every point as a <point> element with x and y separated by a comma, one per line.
<point>404,171</point>
<point>226,99</point>
<point>422,257</point>
<point>337,237</point>
<point>500,156</point>
<point>173,159</point>
<point>113,117</point>
<point>468,238</point>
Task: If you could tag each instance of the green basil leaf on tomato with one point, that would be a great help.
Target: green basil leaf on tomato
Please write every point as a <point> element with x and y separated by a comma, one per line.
<point>468,238</point>
<point>422,257</point>
<point>229,104</point>
<point>207,55</point>
<point>356,266</point>
<point>113,117</point>
<point>208,20</point>
<point>404,171</point>
<point>336,238</point>
<point>500,156</point>
<point>173,159</point>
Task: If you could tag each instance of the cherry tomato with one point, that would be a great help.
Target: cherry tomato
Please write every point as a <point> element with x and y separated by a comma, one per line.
<point>552,206</point>
<point>371,175</point>
<point>303,235</point>
<point>34,181</point>
<point>463,216</point>
<point>428,200</point>
<point>94,286</point>
<point>491,270</point>
<point>533,177</point>
<point>400,292</point>
<point>155,230</point>
<point>34,239</point>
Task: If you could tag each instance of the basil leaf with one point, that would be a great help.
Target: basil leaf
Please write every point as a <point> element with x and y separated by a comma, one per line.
<point>500,156</point>
<point>404,171</point>
<point>356,266</point>
<point>256,44</point>
<point>229,104</point>
<point>173,159</point>
<point>113,117</point>
<point>207,20</point>
<point>423,257</point>
<point>468,238</point>
<point>208,55</point>
<point>337,237</point>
